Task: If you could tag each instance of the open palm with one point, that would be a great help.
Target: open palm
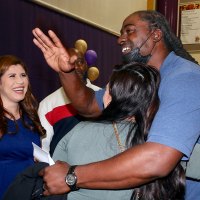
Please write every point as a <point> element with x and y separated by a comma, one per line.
<point>54,52</point>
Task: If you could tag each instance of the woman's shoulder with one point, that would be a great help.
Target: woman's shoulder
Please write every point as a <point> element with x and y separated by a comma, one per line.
<point>86,128</point>
<point>94,123</point>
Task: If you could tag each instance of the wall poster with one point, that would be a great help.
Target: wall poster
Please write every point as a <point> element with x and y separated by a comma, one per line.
<point>189,24</point>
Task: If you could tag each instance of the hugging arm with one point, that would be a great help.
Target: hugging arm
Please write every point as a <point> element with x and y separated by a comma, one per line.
<point>134,167</point>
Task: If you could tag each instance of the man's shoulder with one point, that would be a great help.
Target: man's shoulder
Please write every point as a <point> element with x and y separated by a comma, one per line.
<point>53,94</point>
<point>175,66</point>
<point>58,97</point>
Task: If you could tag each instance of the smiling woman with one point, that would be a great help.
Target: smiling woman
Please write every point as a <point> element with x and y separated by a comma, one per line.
<point>13,88</point>
<point>20,125</point>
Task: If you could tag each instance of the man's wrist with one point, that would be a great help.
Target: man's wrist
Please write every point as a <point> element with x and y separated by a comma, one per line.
<point>70,71</point>
<point>71,178</point>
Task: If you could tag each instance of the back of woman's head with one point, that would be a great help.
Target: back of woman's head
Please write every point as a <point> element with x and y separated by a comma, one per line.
<point>134,91</point>
<point>133,87</point>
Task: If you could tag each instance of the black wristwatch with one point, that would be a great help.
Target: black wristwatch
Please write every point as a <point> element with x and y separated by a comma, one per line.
<point>71,178</point>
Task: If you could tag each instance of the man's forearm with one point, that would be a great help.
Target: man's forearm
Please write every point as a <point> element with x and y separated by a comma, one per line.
<point>132,168</point>
<point>82,97</point>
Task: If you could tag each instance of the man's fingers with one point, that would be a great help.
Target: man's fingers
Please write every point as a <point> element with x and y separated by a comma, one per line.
<point>43,39</point>
<point>55,39</point>
<point>39,45</point>
<point>46,193</point>
<point>41,172</point>
<point>73,59</point>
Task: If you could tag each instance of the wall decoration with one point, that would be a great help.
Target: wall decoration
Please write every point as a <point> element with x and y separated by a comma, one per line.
<point>189,24</point>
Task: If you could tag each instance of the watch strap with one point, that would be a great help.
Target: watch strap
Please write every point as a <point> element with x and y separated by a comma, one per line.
<point>71,172</point>
<point>71,169</point>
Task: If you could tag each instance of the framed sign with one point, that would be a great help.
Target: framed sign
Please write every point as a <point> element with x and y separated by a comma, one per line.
<point>189,24</point>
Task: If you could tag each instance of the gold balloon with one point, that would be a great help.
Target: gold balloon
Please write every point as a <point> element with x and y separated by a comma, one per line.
<point>81,46</point>
<point>93,73</point>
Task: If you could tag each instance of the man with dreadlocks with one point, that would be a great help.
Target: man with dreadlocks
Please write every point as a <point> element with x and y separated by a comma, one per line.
<point>145,37</point>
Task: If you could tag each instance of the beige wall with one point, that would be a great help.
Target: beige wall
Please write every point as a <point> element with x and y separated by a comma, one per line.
<point>106,14</point>
<point>196,55</point>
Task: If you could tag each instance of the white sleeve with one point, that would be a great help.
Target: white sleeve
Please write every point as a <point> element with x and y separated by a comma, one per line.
<point>48,127</point>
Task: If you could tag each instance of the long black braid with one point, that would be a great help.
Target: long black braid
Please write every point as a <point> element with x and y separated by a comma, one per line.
<point>157,21</point>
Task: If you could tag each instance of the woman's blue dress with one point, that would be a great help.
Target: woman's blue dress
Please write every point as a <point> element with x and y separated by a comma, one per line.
<point>16,153</point>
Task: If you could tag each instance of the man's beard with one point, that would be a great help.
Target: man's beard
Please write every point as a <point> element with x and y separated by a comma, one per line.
<point>135,56</point>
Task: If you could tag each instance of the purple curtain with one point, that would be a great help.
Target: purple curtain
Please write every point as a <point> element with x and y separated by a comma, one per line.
<point>169,9</point>
<point>19,17</point>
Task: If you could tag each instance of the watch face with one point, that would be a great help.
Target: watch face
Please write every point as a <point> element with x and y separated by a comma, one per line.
<point>70,179</point>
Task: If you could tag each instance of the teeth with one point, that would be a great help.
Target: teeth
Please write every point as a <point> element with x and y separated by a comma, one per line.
<point>125,49</point>
<point>18,89</point>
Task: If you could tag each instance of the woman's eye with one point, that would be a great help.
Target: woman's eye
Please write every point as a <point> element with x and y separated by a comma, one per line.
<point>12,75</point>
<point>24,75</point>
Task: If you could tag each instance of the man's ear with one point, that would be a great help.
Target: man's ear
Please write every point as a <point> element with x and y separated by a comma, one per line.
<point>157,35</point>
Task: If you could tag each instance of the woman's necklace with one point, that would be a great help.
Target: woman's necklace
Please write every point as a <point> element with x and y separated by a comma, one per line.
<point>120,145</point>
<point>122,148</point>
